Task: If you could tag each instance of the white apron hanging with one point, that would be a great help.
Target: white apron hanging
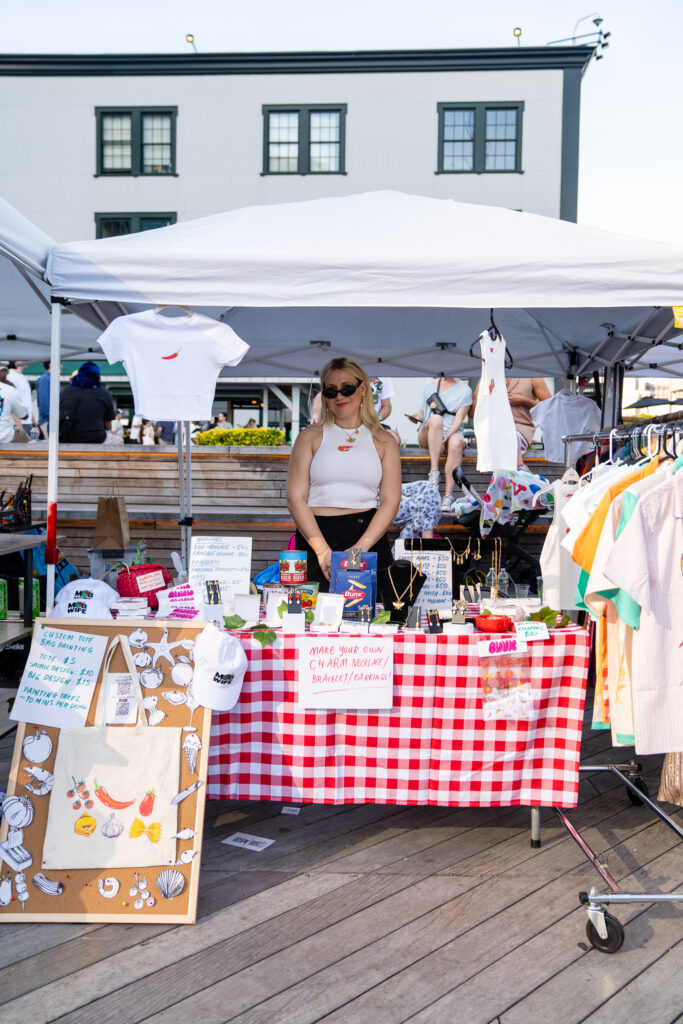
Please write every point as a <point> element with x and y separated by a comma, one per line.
<point>494,426</point>
<point>128,775</point>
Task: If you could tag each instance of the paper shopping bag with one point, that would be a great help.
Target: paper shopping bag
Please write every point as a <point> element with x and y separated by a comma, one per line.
<point>110,804</point>
<point>111,525</point>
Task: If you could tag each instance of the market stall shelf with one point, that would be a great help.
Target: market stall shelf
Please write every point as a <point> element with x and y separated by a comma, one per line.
<point>163,887</point>
<point>432,747</point>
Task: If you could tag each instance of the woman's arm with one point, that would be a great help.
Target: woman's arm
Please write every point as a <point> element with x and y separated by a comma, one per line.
<point>298,483</point>
<point>459,418</point>
<point>389,494</point>
<point>474,399</point>
<point>385,409</point>
<point>541,389</point>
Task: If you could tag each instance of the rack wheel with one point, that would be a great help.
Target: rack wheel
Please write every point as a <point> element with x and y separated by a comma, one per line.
<point>615,935</point>
<point>642,786</point>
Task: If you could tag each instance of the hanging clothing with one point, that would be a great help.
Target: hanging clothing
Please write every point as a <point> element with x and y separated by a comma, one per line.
<point>647,562</point>
<point>565,414</point>
<point>494,426</point>
<point>507,494</point>
<point>172,363</point>
<point>560,572</point>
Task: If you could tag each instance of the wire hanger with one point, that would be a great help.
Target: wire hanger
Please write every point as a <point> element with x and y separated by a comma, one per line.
<point>493,334</point>
<point>174,305</point>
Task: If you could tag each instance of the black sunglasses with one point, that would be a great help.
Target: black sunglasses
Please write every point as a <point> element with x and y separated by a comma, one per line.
<point>346,390</point>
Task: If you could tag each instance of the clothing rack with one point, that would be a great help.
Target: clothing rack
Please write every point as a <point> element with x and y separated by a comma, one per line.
<point>604,931</point>
<point>654,427</point>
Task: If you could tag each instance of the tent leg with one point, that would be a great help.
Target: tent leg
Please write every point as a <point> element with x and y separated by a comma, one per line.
<point>296,412</point>
<point>188,490</point>
<point>53,454</point>
<point>612,395</point>
<point>265,407</point>
<point>181,494</point>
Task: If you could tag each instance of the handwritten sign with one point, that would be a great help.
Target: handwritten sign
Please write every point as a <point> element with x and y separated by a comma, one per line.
<point>531,631</point>
<point>437,591</point>
<point>341,672</point>
<point>59,678</point>
<point>227,560</point>
<point>503,645</point>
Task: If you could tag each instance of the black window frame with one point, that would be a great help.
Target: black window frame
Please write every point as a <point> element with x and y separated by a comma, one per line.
<point>479,148</point>
<point>134,218</point>
<point>304,109</point>
<point>136,115</point>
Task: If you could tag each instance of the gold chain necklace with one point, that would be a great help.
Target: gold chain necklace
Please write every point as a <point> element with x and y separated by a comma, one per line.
<point>351,437</point>
<point>399,602</point>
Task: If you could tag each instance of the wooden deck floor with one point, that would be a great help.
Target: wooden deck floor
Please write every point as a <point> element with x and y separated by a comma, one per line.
<point>380,915</point>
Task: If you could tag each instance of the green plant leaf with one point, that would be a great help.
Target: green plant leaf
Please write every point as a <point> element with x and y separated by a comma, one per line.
<point>233,621</point>
<point>282,608</point>
<point>264,636</point>
<point>381,618</point>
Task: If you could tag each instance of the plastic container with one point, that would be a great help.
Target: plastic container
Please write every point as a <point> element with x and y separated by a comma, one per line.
<point>3,599</point>
<point>103,561</point>
<point>293,566</point>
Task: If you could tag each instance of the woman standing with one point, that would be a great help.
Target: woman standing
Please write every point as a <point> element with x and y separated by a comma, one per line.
<point>344,480</point>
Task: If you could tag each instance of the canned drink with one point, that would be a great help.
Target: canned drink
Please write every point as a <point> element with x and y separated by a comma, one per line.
<point>3,599</point>
<point>293,566</point>
<point>36,595</point>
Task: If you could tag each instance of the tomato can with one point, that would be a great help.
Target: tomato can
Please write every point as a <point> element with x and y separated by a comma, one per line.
<point>293,566</point>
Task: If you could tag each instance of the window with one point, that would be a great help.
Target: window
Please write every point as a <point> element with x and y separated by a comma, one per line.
<point>136,141</point>
<point>108,225</point>
<point>480,138</point>
<point>304,140</point>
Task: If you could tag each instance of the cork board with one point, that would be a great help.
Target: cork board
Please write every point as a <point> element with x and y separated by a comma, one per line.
<point>86,893</point>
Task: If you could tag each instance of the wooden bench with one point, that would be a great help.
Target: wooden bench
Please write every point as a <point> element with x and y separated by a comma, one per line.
<point>241,491</point>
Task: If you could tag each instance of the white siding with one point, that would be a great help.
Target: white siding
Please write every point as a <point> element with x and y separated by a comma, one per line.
<point>48,129</point>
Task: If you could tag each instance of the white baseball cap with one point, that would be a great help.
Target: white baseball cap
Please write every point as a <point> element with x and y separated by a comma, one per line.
<point>219,667</point>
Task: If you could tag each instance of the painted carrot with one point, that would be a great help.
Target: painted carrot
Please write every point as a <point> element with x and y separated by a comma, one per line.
<point>147,804</point>
<point>108,801</point>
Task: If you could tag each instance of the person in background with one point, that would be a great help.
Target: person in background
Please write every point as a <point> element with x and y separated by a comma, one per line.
<point>11,407</point>
<point>43,396</point>
<point>135,427</point>
<point>344,478</point>
<point>90,407</point>
<point>523,393</point>
<point>251,424</point>
<point>117,424</point>
<point>148,432</point>
<point>441,420</point>
<point>166,432</point>
<point>16,377</point>
<point>222,422</point>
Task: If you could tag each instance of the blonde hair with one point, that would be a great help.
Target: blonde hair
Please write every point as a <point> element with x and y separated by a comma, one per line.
<point>368,414</point>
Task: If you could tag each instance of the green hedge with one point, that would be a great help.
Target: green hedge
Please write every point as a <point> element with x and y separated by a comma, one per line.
<point>261,437</point>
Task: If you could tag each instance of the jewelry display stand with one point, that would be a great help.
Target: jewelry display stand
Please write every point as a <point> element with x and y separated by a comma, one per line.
<point>399,586</point>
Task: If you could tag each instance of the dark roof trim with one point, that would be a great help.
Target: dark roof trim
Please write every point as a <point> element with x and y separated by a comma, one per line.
<point>322,62</point>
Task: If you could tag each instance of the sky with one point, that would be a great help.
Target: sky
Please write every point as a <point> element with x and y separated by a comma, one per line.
<point>631,139</point>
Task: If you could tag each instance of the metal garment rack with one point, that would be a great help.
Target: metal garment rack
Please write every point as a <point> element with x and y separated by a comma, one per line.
<point>604,931</point>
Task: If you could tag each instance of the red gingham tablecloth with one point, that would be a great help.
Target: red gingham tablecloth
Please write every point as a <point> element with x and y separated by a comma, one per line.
<point>434,747</point>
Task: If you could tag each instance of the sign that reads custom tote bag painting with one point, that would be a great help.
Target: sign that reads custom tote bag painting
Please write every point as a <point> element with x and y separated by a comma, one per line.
<point>59,679</point>
<point>346,672</point>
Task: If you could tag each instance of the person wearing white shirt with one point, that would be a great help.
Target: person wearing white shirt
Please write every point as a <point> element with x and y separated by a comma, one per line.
<point>16,377</point>
<point>11,406</point>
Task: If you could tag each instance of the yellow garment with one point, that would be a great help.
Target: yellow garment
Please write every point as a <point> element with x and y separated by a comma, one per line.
<point>586,544</point>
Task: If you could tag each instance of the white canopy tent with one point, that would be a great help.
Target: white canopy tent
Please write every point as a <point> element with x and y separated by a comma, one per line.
<point>404,283</point>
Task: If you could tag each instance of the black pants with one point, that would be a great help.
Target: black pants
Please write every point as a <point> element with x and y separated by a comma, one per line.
<point>341,533</point>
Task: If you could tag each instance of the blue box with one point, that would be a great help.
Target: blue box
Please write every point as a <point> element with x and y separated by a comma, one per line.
<point>359,586</point>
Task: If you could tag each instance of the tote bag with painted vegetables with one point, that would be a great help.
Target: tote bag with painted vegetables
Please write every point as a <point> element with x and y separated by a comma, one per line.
<point>110,805</point>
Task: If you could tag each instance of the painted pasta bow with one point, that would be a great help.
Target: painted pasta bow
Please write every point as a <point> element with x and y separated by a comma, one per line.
<point>152,831</point>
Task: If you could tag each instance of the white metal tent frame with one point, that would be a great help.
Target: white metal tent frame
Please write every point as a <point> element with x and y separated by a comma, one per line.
<point>403,283</point>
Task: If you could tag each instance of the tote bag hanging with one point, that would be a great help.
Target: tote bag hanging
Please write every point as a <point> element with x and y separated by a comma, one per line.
<point>112,531</point>
<point>129,774</point>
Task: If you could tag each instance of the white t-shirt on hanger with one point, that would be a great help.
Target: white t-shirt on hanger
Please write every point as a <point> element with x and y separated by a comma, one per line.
<point>494,426</point>
<point>565,414</point>
<point>172,362</point>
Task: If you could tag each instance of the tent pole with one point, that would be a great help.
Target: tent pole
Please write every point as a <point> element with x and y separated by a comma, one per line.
<point>188,490</point>
<point>181,493</point>
<point>265,406</point>
<point>296,412</point>
<point>53,453</point>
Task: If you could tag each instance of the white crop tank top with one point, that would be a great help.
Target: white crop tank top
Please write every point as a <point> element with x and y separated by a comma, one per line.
<point>346,478</point>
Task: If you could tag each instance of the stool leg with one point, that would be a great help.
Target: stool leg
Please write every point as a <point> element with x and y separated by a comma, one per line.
<point>535,827</point>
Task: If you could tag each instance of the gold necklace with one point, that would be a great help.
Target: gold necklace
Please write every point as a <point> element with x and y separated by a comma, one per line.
<point>351,438</point>
<point>399,602</point>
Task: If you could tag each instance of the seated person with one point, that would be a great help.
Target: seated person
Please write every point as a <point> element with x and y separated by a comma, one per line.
<point>344,478</point>
<point>90,407</point>
<point>523,393</point>
<point>441,431</point>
